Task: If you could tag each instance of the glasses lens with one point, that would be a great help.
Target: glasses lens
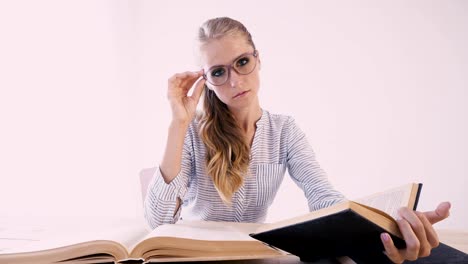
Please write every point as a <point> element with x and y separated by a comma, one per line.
<point>245,64</point>
<point>218,75</point>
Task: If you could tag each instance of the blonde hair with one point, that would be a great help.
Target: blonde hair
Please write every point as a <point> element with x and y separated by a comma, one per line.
<point>227,153</point>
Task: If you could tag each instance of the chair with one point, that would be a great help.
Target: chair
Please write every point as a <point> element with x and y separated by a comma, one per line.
<point>145,178</point>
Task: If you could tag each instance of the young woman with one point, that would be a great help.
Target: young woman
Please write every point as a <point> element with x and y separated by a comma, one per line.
<point>227,162</point>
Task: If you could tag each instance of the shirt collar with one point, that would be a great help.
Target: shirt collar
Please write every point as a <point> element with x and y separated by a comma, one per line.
<point>261,122</point>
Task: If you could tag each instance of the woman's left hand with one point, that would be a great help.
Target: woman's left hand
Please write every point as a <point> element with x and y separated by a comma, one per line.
<point>418,233</point>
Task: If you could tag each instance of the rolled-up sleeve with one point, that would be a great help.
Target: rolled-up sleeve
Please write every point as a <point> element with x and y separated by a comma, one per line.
<point>306,172</point>
<point>161,199</point>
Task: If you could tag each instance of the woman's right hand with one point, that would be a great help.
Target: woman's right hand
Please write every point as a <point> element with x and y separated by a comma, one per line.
<point>184,106</point>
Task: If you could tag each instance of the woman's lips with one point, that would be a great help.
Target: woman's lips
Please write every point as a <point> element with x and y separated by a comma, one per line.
<point>241,94</point>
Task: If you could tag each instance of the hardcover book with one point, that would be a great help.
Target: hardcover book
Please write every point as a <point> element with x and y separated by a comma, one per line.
<point>351,228</point>
<point>184,241</point>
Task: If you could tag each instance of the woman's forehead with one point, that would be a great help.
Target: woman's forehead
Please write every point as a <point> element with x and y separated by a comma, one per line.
<point>223,51</point>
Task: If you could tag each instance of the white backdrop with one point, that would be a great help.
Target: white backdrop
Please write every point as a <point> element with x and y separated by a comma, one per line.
<point>379,87</point>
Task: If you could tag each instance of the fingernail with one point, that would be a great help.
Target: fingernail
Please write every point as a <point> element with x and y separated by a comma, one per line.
<point>385,237</point>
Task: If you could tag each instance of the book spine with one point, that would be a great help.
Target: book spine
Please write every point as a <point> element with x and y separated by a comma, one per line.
<point>417,196</point>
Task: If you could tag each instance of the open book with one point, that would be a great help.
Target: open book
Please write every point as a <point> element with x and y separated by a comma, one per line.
<point>351,228</point>
<point>184,241</point>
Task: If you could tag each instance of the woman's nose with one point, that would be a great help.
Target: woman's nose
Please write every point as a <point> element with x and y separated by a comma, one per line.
<point>234,79</point>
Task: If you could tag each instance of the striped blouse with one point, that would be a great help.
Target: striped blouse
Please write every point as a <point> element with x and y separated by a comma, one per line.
<point>278,145</point>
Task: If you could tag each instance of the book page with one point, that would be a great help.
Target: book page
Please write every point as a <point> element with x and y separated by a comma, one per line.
<point>245,228</point>
<point>205,230</point>
<point>389,201</point>
<point>202,240</point>
<point>20,238</point>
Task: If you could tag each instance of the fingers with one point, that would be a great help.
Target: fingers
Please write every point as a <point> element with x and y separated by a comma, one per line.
<point>441,212</point>
<point>413,244</point>
<point>197,91</point>
<point>418,233</point>
<point>390,250</point>
<point>185,75</point>
<point>431,234</point>
<point>183,104</point>
<point>184,80</point>
<point>420,229</point>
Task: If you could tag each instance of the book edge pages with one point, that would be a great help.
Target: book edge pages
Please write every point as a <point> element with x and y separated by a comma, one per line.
<point>174,247</point>
<point>306,217</point>
<point>114,249</point>
<point>219,258</point>
<point>378,217</point>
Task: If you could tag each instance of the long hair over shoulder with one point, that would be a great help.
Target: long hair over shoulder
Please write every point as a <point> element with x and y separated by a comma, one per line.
<point>227,153</point>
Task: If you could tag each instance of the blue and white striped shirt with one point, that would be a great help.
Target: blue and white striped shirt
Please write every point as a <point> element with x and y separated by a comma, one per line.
<point>278,145</point>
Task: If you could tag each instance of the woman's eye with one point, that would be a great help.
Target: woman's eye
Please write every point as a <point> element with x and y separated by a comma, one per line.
<point>242,61</point>
<point>218,72</point>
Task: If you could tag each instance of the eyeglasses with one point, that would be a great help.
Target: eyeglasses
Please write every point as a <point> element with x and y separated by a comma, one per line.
<point>220,74</point>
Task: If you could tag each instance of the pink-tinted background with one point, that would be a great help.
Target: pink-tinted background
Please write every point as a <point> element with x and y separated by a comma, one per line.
<point>380,88</point>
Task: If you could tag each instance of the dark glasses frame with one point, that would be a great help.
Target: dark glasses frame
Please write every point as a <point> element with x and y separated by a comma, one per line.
<point>231,66</point>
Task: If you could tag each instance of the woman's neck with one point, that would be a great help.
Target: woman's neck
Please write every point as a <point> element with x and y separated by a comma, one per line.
<point>247,118</point>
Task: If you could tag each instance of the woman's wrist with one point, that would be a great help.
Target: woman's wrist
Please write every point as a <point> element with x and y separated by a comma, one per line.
<point>179,123</point>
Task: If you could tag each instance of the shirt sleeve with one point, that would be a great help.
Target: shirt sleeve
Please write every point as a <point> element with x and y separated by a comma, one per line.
<point>161,199</point>
<point>306,172</point>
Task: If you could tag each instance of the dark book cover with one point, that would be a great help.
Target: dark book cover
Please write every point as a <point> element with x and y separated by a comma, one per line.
<point>344,233</point>
<point>418,194</point>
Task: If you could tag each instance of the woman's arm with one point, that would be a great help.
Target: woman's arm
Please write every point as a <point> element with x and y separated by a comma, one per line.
<point>183,109</point>
<point>163,199</point>
<point>172,158</point>
<point>169,183</point>
<point>306,172</point>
